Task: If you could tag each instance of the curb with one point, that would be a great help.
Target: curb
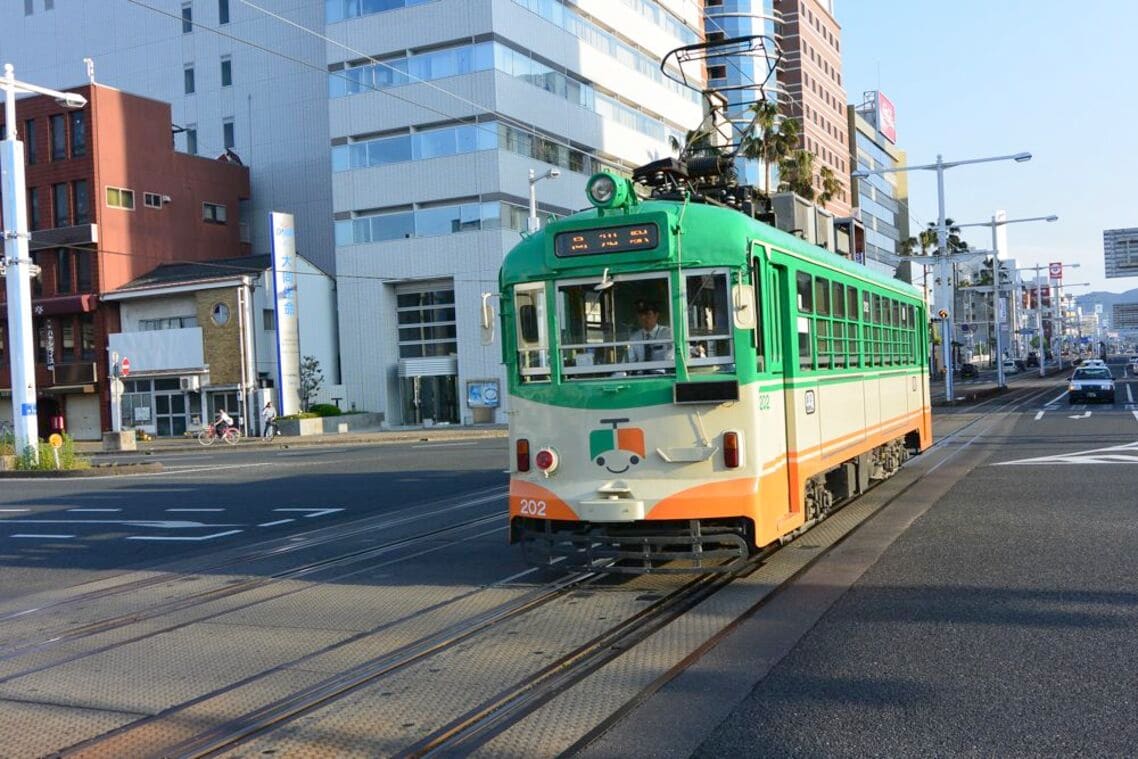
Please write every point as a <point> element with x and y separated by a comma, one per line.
<point>96,470</point>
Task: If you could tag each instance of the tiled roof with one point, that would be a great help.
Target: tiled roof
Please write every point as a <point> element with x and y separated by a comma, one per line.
<point>199,271</point>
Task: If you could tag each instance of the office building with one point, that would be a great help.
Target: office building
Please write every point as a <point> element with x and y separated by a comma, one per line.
<point>1120,252</point>
<point>108,199</point>
<point>881,200</point>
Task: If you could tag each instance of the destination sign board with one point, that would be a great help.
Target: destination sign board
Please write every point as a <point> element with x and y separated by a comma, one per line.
<point>588,242</point>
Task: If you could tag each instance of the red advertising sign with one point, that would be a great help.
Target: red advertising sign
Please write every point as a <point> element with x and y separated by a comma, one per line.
<point>886,118</point>
<point>1055,269</point>
<point>124,367</point>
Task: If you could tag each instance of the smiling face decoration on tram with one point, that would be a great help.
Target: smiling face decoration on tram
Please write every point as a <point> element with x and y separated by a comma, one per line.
<point>617,449</point>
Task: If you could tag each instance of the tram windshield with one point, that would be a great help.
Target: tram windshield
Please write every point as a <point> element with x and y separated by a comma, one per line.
<point>625,327</point>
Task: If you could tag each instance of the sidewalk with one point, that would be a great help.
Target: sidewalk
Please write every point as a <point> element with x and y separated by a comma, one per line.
<point>371,436</point>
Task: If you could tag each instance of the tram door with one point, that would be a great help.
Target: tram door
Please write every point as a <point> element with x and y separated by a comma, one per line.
<point>773,342</point>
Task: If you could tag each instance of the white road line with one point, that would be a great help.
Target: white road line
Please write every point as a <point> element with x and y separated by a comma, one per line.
<point>95,510</point>
<point>1129,393</point>
<point>173,510</point>
<point>203,537</point>
<point>1057,398</point>
<point>1135,413</point>
<point>14,511</point>
<point>315,512</point>
<point>46,537</point>
<point>274,524</point>
<point>162,524</point>
<point>444,445</point>
<point>1039,416</point>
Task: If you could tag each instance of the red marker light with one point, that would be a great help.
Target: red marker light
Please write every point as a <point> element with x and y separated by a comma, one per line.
<point>546,460</point>
<point>731,449</point>
<point>521,448</point>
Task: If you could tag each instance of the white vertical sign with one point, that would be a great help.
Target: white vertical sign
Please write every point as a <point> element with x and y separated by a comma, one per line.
<point>288,325</point>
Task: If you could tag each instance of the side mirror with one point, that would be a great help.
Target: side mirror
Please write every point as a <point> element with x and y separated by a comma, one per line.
<point>486,320</point>
<point>743,297</point>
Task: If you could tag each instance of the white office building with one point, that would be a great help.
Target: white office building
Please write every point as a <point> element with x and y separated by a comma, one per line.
<point>400,133</point>
<point>438,112</point>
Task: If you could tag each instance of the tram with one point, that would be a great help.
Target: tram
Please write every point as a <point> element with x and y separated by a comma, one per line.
<point>688,384</point>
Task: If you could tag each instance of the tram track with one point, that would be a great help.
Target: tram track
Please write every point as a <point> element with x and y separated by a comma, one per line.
<point>491,717</point>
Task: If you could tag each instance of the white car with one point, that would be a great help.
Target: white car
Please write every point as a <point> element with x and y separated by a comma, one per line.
<point>1010,366</point>
<point>1091,383</point>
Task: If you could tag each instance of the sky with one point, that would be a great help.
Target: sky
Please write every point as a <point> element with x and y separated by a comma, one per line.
<point>979,78</point>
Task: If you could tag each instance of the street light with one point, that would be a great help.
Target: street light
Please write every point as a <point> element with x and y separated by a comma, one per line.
<point>18,262</point>
<point>995,223</point>
<point>943,285</point>
<point>532,225</point>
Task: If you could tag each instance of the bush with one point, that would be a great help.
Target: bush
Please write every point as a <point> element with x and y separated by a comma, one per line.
<point>325,409</point>
<point>68,458</point>
<point>7,444</point>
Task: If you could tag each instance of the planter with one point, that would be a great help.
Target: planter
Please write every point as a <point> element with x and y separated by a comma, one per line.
<point>329,425</point>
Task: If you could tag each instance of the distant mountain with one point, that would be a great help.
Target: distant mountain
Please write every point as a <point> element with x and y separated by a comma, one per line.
<point>1087,301</point>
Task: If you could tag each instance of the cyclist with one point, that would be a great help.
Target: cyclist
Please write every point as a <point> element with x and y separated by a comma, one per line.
<point>221,423</point>
<point>268,421</point>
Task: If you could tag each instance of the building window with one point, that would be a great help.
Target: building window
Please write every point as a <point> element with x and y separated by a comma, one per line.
<point>78,133</point>
<point>226,72</point>
<point>187,18</point>
<point>33,208</point>
<point>227,133</point>
<point>30,141</point>
<point>213,213</point>
<point>120,198</point>
<point>192,140</point>
<point>219,314</point>
<point>270,319</point>
<point>61,204</point>
<point>188,76</point>
<point>29,7</point>
<point>169,322</point>
<point>222,11</point>
<point>87,335</point>
<point>63,278</point>
<point>82,201</point>
<point>426,323</point>
<point>84,281</point>
<point>58,134</point>
<point>151,200</point>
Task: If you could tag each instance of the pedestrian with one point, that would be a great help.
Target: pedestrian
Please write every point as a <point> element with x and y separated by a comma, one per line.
<point>269,421</point>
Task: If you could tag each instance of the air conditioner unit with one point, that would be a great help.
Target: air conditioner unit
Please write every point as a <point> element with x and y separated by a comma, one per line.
<point>189,383</point>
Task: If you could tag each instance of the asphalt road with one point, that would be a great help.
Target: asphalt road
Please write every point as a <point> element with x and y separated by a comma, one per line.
<point>59,532</point>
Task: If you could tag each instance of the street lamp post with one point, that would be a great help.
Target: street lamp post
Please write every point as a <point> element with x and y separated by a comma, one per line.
<point>996,222</point>
<point>532,224</point>
<point>18,263</point>
<point>943,285</point>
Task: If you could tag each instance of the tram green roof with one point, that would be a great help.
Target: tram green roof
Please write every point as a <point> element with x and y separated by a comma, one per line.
<point>704,229</point>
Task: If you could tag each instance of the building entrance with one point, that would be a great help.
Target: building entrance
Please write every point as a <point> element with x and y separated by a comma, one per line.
<point>429,398</point>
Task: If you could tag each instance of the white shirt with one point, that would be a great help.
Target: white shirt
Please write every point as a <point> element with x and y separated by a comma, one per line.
<point>653,344</point>
<point>224,417</point>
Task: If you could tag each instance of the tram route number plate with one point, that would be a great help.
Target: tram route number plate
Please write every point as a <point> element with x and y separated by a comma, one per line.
<point>588,242</point>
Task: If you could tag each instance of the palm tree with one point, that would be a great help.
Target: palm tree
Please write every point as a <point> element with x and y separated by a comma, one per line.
<point>830,185</point>
<point>772,140</point>
<point>797,174</point>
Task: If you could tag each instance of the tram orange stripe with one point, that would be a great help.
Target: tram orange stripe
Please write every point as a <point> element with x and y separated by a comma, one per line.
<point>555,507</point>
<point>886,426</point>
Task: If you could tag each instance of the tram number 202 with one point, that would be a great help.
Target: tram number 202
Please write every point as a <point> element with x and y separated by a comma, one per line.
<point>532,508</point>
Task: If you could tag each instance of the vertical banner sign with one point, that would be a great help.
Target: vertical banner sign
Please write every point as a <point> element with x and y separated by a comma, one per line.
<point>886,118</point>
<point>1055,269</point>
<point>288,325</point>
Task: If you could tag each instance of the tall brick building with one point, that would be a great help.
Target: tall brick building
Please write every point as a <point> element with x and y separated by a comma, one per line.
<point>108,200</point>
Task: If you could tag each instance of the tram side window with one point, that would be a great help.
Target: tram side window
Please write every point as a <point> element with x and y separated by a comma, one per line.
<point>805,306</point>
<point>709,324</point>
<point>533,344</point>
<point>852,342</point>
<point>821,322</point>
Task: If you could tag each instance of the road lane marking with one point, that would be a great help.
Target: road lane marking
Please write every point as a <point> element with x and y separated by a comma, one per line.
<point>173,510</point>
<point>1117,454</point>
<point>163,524</point>
<point>1057,398</point>
<point>1129,393</point>
<point>1084,415</point>
<point>315,512</point>
<point>444,445</point>
<point>94,510</point>
<point>15,511</point>
<point>197,539</point>
<point>274,524</point>
<point>45,537</point>
<point>1039,415</point>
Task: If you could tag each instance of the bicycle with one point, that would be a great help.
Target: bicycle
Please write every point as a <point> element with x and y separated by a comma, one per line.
<point>271,431</point>
<point>208,434</point>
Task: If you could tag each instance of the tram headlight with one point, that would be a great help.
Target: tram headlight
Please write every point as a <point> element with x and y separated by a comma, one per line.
<point>607,190</point>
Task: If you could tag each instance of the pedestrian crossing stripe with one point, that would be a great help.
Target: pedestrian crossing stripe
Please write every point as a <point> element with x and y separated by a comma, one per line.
<point>1118,454</point>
